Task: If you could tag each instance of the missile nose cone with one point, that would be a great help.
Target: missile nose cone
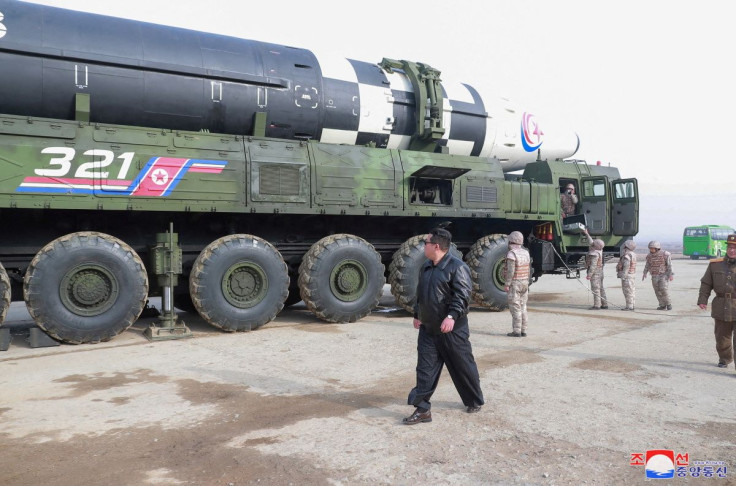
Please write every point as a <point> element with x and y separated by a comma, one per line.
<point>525,138</point>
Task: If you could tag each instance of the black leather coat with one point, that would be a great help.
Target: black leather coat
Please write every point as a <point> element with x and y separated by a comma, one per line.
<point>444,289</point>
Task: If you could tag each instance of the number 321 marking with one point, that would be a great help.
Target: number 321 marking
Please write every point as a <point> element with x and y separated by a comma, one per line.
<point>89,170</point>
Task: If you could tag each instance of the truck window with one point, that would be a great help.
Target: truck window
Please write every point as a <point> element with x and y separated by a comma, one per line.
<point>624,190</point>
<point>594,188</point>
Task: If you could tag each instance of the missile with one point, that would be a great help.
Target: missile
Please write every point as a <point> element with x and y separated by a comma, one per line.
<point>151,75</point>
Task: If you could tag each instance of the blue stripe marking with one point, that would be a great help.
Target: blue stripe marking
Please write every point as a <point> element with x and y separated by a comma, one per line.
<point>179,176</point>
<point>123,192</point>
<point>59,190</point>
<point>143,171</point>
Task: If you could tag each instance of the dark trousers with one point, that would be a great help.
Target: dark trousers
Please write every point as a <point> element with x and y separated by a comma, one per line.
<point>725,340</point>
<point>453,350</point>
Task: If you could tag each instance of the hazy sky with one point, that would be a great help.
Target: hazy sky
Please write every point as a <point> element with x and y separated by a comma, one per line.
<point>648,86</point>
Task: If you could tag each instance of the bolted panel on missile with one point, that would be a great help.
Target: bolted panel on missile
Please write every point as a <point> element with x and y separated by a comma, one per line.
<point>150,75</point>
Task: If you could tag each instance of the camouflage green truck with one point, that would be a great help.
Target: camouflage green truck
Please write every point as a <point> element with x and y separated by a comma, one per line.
<point>286,177</point>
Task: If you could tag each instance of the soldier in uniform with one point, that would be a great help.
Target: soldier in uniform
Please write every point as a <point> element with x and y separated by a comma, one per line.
<point>516,274</point>
<point>594,267</point>
<point>626,270</point>
<point>721,277</point>
<point>568,200</point>
<point>659,264</point>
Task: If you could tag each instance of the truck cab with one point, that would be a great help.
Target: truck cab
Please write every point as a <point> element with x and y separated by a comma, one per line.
<point>608,207</point>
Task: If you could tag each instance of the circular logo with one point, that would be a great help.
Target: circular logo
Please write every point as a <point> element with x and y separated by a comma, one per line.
<point>531,133</point>
<point>160,177</point>
<point>3,30</point>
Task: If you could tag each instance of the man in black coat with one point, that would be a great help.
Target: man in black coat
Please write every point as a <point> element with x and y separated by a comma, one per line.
<point>440,314</point>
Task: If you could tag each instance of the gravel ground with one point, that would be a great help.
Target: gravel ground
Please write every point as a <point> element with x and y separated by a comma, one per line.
<point>305,402</point>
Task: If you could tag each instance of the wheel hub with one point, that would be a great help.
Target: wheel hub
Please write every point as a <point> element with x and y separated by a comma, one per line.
<point>498,274</point>
<point>348,280</point>
<point>244,285</point>
<point>89,290</point>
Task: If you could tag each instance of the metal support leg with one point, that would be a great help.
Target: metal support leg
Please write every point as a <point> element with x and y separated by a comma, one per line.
<point>167,262</point>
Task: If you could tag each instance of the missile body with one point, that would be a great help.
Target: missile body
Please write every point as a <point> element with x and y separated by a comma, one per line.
<point>150,75</point>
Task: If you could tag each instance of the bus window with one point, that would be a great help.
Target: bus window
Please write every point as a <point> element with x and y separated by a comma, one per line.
<point>720,233</point>
<point>696,232</point>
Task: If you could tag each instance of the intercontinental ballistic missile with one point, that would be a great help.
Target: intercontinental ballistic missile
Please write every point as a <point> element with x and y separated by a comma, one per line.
<point>143,74</point>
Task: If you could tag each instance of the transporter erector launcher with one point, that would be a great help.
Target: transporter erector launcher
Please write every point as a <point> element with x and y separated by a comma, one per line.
<point>288,177</point>
<point>143,74</point>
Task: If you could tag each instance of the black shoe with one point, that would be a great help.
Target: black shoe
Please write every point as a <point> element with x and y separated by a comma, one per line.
<point>625,308</point>
<point>669,307</point>
<point>418,417</point>
<point>721,364</point>
<point>523,334</point>
<point>513,334</point>
<point>594,308</point>
<point>662,307</point>
<point>473,409</point>
<point>604,307</point>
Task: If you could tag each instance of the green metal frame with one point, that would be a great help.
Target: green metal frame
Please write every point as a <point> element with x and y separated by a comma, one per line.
<point>428,101</point>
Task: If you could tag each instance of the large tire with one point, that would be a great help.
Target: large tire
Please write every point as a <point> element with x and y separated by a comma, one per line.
<point>486,260</point>
<point>239,282</point>
<point>85,287</point>
<point>404,270</point>
<point>341,278</point>
<point>4,294</point>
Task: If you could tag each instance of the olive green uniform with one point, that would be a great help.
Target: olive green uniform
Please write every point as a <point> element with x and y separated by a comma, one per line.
<point>720,276</point>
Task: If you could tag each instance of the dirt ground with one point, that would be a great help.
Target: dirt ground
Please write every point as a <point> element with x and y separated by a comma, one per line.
<point>300,401</point>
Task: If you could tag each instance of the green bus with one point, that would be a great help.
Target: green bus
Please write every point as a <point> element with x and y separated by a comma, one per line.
<point>705,241</point>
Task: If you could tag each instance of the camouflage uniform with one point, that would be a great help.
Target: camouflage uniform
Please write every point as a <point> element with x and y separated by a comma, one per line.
<point>659,264</point>
<point>568,202</point>
<point>720,276</point>
<point>626,270</point>
<point>594,267</point>
<point>516,275</point>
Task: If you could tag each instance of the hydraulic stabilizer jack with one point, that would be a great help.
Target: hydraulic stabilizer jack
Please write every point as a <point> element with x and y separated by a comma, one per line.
<point>166,261</point>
